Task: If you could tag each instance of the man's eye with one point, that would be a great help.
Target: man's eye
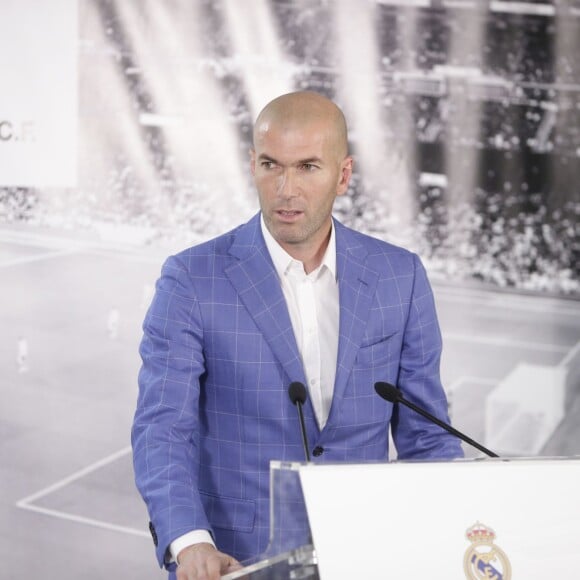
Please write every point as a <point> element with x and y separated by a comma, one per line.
<point>268,164</point>
<point>308,166</point>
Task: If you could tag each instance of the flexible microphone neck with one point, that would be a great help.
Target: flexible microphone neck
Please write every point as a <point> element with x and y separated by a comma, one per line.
<point>393,395</point>
<point>297,394</point>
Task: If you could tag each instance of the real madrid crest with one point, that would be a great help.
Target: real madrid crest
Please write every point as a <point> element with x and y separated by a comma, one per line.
<point>483,559</point>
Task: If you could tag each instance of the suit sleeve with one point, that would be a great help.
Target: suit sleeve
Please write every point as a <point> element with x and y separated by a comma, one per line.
<point>419,380</point>
<point>165,429</point>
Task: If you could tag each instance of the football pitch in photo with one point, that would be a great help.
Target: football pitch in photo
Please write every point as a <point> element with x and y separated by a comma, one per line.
<point>71,312</point>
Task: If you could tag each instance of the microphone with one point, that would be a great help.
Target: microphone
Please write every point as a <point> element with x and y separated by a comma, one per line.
<point>297,394</point>
<point>393,395</point>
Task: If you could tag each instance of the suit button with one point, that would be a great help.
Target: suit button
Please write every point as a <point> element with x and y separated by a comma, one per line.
<point>318,451</point>
<point>153,533</point>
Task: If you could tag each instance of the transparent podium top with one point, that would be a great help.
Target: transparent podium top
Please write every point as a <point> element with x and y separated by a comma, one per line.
<point>290,553</point>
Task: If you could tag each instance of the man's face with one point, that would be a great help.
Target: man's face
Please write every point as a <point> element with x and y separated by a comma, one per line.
<point>298,171</point>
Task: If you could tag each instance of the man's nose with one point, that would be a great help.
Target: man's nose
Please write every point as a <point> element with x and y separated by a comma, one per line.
<point>287,184</point>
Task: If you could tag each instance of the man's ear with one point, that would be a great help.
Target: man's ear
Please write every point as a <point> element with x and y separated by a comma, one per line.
<point>345,175</point>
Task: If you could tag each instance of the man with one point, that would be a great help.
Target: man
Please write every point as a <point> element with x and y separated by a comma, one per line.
<point>290,296</point>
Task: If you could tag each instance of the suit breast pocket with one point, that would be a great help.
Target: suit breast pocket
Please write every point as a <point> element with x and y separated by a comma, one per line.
<point>380,352</point>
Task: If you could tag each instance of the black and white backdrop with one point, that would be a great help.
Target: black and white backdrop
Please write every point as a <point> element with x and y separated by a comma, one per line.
<point>125,127</point>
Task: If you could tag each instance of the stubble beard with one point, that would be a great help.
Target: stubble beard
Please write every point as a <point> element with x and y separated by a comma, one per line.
<point>296,234</point>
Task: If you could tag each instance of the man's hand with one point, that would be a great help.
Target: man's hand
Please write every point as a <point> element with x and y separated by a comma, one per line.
<point>204,562</point>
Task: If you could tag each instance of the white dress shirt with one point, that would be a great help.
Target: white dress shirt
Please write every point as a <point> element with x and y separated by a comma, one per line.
<point>312,301</point>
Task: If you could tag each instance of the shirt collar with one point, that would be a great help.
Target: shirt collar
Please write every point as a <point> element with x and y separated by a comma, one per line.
<point>283,260</point>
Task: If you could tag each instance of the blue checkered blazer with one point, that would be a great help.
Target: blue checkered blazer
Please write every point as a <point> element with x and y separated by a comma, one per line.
<point>219,353</point>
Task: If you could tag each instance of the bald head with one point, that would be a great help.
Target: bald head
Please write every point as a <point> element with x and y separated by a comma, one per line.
<point>302,110</point>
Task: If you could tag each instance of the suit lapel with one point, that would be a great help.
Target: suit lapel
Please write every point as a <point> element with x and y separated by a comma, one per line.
<point>255,279</point>
<point>357,285</point>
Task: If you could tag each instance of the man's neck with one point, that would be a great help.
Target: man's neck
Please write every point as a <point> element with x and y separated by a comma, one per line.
<point>310,255</point>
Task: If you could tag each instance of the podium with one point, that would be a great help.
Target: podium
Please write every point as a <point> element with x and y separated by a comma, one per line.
<point>466,519</point>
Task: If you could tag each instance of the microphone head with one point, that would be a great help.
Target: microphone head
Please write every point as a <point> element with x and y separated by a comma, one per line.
<point>388,392</point>
<point>297,393</point>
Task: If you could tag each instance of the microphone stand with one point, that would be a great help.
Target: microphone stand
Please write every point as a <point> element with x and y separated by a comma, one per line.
<point>393,395</point>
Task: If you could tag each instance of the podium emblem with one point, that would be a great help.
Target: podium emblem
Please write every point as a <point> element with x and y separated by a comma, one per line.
<point>484,560</point>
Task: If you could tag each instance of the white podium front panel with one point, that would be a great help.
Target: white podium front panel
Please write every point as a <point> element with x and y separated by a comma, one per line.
<point>411,520</point>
